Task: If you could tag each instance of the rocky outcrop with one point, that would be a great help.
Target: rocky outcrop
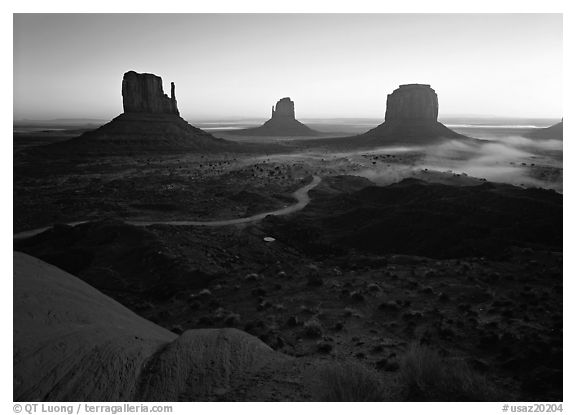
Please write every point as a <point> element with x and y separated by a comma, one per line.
<point>412,102</point>
<point>73,343</point>
<point>282,124</point>
<point>554,132</point>
<point>411,117</point>
<point>143,93</point>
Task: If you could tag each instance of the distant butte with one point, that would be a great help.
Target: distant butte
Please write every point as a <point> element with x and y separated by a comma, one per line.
<point>412,115</point>
<point>282,123</point>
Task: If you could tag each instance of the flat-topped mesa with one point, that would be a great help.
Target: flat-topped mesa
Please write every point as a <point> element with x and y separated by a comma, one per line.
<point>412,102</point>
<point>143,93</point>
<point>284,109</point>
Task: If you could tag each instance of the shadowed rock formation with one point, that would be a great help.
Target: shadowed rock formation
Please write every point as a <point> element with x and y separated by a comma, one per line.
<point>143,93</point>
<point>284,110</point>
<point>411,119</point>
<point>282,123</point>
<point>73,343</point>
<point>150,123</point>
<point>554,132</point>
<point>412,116</point>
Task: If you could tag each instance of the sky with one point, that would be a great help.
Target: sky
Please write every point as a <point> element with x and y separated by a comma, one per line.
<point>331,65</point>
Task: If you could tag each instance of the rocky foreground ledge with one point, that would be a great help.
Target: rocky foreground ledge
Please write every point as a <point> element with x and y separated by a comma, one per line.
<point>72,343</point>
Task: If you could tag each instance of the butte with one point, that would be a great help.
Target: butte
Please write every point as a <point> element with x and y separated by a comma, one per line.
<point>150,122</point>
<point>283,123</point>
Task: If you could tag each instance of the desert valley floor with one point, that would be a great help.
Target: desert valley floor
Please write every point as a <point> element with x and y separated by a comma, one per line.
<point>391,262</point>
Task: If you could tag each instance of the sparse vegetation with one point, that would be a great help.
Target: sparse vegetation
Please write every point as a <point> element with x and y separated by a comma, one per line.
<point>324,347</point>
<point>232,320</point>
<point>313,328</point>
<point>348,382</point>
<point>427,376</point>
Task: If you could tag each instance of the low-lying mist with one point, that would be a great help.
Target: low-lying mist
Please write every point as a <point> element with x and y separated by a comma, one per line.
<point>514,159</point>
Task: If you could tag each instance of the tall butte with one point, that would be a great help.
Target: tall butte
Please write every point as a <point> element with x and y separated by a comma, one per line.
<point>143,93</point>
<point>411,116</point>
<point>150,122</point>
<point>282,123</point>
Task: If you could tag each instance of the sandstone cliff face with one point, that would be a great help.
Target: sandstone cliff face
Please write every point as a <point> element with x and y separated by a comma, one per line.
<point>412,102</point>
<point>143,93</point>
<point>284,109</point>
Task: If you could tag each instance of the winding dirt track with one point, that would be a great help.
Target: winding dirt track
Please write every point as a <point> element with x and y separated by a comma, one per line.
<point>301,196</point>
<point>72,343</point>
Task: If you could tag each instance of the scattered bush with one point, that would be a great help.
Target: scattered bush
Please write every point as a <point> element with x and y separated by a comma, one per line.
<point>177,329</point>
<point>351,312</point>
<point>253,277</point>
<point>444,298</point>
<point>263,305</point>
<point>427,376</point>
<point>387,365</point>
<point>232,320</point>
<point>258,292</point>
<point>205,293</point>
<point>389,306</point>
<point>314,279</point>
<point>357,296</point>
<point>313,328</point>
<point>374,288</point>
<point>292,321</point>
<point>205,321</point>
<point>348,382</point>
<point>324,347</point>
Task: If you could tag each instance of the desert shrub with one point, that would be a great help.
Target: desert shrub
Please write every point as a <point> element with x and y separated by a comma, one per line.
<point>324,347</point>
<point>427,376</point>
<point>374,287</point>
<point>205,293</point>
<point>314,279</point>
<point>177,329</point>
<point>351,312</point>
<point>357,296</point>
<point>348,382</point>
<point>232,320</point>
<point>313,328</point>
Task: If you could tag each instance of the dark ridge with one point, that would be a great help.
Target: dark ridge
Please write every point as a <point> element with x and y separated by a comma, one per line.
<point>413,217</point>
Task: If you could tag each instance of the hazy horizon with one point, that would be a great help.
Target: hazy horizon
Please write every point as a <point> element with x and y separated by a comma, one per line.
<point>332,66</point>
